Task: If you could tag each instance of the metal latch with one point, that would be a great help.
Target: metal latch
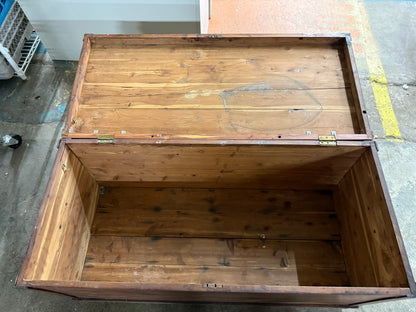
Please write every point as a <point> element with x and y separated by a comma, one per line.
<point>211,285</point>
<point>328,140</point>
<point>105,138</point>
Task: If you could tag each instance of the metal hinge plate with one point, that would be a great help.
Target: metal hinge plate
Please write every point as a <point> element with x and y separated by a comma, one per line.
<point>211,285</point>
<point>105,138</point>
<point>329,140</point>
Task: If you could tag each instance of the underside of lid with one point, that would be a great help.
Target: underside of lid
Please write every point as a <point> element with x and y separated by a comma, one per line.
<point>225,87</point>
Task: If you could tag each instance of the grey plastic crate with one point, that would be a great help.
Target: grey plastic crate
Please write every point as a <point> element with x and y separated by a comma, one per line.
<point>14,34</point>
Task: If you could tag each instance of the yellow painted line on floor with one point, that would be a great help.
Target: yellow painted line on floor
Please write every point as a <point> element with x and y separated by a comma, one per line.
<point>378,80</point>
<point>384,107</point>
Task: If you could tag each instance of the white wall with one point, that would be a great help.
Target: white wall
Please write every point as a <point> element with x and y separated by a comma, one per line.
<point>61,24</point>
<point>204,15</point>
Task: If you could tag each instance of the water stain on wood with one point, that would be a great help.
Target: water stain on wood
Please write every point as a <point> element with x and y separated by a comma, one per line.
<point>261,89</point>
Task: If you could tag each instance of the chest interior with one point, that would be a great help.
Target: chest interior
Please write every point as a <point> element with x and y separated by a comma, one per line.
<point>219,215</point>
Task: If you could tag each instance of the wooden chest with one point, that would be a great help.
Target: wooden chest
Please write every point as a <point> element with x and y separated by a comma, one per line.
<point>218,169</point>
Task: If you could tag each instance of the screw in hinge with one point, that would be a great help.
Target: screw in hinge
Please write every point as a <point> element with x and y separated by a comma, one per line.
<point>211,285</point>
<point>263,240</point>
<point>327,140</point>
<point>101,190</point>
<point>105,138</point>
<point>64,168</point>
<point>73,121</point>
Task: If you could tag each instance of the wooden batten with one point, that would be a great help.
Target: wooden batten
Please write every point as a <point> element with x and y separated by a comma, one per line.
<point>283,295</point>
<point>78,85</point>
<point>347,56</point>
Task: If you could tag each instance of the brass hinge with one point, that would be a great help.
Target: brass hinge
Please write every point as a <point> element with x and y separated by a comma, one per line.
<point>64,168</point>
<point>328,140</point>
<point>105,138</point>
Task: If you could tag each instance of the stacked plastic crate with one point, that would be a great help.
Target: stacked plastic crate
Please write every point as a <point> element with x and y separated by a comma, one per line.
<point>18,42</point>
<point>4,9</point>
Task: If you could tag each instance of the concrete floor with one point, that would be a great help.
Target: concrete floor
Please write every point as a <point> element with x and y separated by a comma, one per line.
<point>36,110</point>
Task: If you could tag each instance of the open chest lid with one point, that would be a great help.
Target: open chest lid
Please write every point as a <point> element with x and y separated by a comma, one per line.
<point>217,87</point>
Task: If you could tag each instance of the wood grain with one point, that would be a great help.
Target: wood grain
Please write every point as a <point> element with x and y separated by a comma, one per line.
<point>199,261</point>
<point>235,252</point>
<point>173,212</point>
<point>215,86</point>
<point>210,96</point>
<point>371,252</point>
<point>348,59</point>
<point>242,40</point>
<point>78,85</point>
<point>263,294</point>
<point>63,233</point>
<point>373,156</point>
<point>196,63</point>
<point>206,122</point>
<point>219,166</point>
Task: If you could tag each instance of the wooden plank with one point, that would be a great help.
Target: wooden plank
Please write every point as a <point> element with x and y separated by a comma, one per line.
<point>219,166</point>
<point>78,84</point>
<point>203,54</point>
<point>216,213</point>
<point>355,245</point>
<point>343,140</point>
<point>63,232</point>
<point>243,40</point>
<point>386,257</point>
<point>212,122</point>
<point>373,156</point>
<point>348,58</point>
<point>290,185</point>
<point>28,266</point>
<point>260,294</point>
<point>198,261</point>
<point>370,247</point>
<point>86,188</point>
<point>289,66</point>
<point>215,96</point>
<point>199,275</point>
<point>232,51</point>
<point>254,253</point>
